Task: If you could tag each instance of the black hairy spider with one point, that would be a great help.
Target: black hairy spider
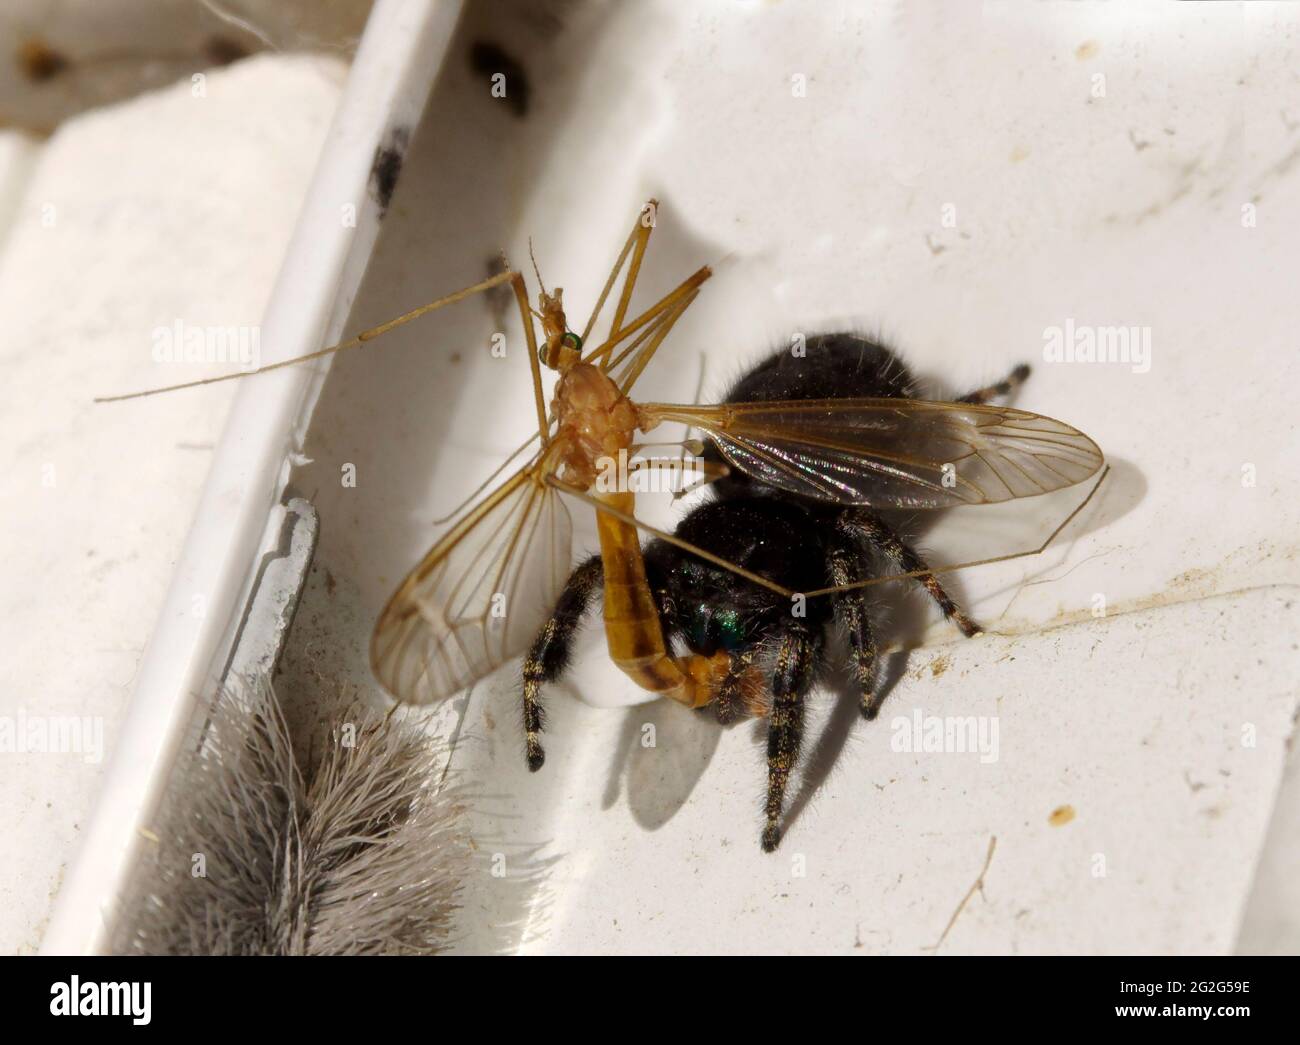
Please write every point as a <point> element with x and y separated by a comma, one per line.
<point>799,542</point>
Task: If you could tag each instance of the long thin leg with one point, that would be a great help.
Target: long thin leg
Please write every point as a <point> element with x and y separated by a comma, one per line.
<point>669,538</point>
<point>921,571</point>
<point>1004,387</point>
<point>642,237</point>
<point>646,354</point>
<point>534,362</point>
<point>691,283</point>
<point>515,279</point>
<point>633,237</point>
<point>844,565</point>
<point>930,570</point>
<point>793,678</point>
<point>508,276</point>
<point>706,472</point>
<point>552,649</point>
<point>867,525</point>
<point>699,392</point>
<point>643,335</point>
<point>495,474</point>
<point>710,473</point>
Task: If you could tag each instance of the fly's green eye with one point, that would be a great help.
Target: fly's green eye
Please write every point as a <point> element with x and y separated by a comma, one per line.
<point>571,340</point>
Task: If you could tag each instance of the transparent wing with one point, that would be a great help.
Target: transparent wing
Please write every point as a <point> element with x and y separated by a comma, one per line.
<point>479,596</point>
<point>893,453</point>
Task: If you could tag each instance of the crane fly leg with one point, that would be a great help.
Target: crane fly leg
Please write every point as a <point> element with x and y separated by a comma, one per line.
<point>641,239</point>
<point>930,570</point>
<point>343,346</point>
<point>684,289</point>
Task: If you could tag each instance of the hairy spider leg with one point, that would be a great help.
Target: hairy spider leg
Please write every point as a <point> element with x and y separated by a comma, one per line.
<point>552,651</point>
<point>870,528</point>
<point>791,681</point>
<point>844,565</point>
<point>1006,386</point>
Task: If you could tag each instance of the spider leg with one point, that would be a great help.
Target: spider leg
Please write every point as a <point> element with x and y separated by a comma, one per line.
<point>844,566</point>
<point>1004,387</point>
<point>795,669</point>
<point>735,698</point>
<point>870,527</point>
<point>552,649</point>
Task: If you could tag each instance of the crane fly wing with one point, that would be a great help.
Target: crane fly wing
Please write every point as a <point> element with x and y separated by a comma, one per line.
<point>893,453</point>
<point>479,596</point>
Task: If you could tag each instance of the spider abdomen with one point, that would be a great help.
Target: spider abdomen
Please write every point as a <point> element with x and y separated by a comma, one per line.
<point>824,366</point>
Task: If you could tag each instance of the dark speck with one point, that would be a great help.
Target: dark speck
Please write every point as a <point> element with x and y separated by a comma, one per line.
<point>388,166</point>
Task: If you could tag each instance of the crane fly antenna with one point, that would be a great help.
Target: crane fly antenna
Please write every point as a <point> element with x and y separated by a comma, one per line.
<point>536,271</point>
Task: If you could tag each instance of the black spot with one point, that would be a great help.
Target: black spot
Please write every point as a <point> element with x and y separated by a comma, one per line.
<point>489,59</point>
<point>388,166</point>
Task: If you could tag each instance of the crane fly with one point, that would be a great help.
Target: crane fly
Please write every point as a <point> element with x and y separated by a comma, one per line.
<point>475,600</point>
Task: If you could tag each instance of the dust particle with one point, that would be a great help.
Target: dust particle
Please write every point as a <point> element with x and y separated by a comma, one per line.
<point>1061,816</point>
<point>1087,50</point>
<point>938,666</point>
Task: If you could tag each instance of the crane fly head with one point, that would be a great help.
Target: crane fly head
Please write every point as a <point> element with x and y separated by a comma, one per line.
<point>561,347</point>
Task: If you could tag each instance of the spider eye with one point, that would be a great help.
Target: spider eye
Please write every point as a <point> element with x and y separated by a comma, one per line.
<point>730,629</point>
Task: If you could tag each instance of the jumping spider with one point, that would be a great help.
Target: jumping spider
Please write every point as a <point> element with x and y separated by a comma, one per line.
<point>800,543</point>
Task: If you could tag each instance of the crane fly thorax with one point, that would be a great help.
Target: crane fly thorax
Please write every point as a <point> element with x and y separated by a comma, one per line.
<point>594,421</point>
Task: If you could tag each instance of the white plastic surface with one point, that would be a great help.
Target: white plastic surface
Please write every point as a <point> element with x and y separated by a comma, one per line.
<point>187,215</point>
<point>391,73</point>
